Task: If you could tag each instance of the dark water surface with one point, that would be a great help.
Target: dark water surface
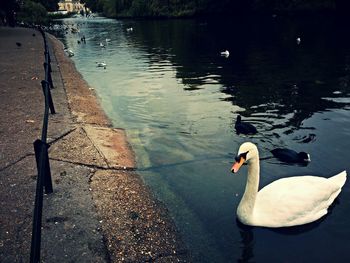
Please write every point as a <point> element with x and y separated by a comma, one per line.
<point>167,85</point>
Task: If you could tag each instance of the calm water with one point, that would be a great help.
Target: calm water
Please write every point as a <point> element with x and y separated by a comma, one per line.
<point>178,99</point>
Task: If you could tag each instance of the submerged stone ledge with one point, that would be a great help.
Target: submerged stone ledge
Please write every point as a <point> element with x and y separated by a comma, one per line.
<point>135,226</point>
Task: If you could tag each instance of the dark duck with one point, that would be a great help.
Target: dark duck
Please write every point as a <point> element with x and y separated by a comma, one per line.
<point>290,156</point>
<point>243,127</point>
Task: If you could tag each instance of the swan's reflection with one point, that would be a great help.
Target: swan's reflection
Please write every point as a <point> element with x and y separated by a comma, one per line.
<point>247,243</point>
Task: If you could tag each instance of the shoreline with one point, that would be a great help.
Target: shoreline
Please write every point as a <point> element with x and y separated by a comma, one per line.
<point>135,225</point>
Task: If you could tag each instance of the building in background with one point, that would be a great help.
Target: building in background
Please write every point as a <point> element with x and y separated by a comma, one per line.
<point>71,6</point>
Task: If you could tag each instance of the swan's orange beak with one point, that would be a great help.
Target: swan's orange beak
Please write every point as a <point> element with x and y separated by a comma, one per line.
<point>237,165</point>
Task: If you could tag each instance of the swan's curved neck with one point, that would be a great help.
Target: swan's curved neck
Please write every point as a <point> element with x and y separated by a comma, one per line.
<point>246,206</point>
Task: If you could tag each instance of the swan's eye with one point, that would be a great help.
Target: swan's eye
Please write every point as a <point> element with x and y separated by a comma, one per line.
<point>242,155</point>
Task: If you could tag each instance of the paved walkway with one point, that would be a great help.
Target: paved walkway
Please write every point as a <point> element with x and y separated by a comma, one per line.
<point>100,210</point>
<point>70,224</point>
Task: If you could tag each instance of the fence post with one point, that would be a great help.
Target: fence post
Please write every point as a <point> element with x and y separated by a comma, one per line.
<point>50,77</point>
<point>38,210</point>
<point>48,70</point>
<point>47,93</point>
<point>41,149</point>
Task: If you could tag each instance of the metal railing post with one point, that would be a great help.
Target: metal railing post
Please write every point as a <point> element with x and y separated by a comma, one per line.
<point>47,93</point>
<point>38,209</point>
<point>40,146</point>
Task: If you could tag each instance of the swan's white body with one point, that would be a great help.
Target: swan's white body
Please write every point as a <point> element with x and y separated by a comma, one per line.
<point>285,202</point>
<point>69,52</point>
<point>225,53</point>
<point>101,64</point>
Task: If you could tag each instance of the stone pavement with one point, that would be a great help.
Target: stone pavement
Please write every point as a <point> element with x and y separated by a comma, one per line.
<point>100,210</point>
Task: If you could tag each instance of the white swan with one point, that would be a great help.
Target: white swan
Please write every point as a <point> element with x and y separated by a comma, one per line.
<point>225,53</point>
<point>101,64</point>
<point>69,52</point>
<point>285,202</point>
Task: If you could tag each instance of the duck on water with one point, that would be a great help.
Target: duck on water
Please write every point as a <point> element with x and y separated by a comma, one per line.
<point>290,156</point>
<point>243,127</point>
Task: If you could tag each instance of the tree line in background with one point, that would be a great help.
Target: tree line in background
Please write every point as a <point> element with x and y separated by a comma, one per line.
<point>35,11</point>
<point>180,8</point>
<point>31,11</point>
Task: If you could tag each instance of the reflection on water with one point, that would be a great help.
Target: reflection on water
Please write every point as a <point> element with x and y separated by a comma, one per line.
<point>247,244</point>
<point>178,98</point>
